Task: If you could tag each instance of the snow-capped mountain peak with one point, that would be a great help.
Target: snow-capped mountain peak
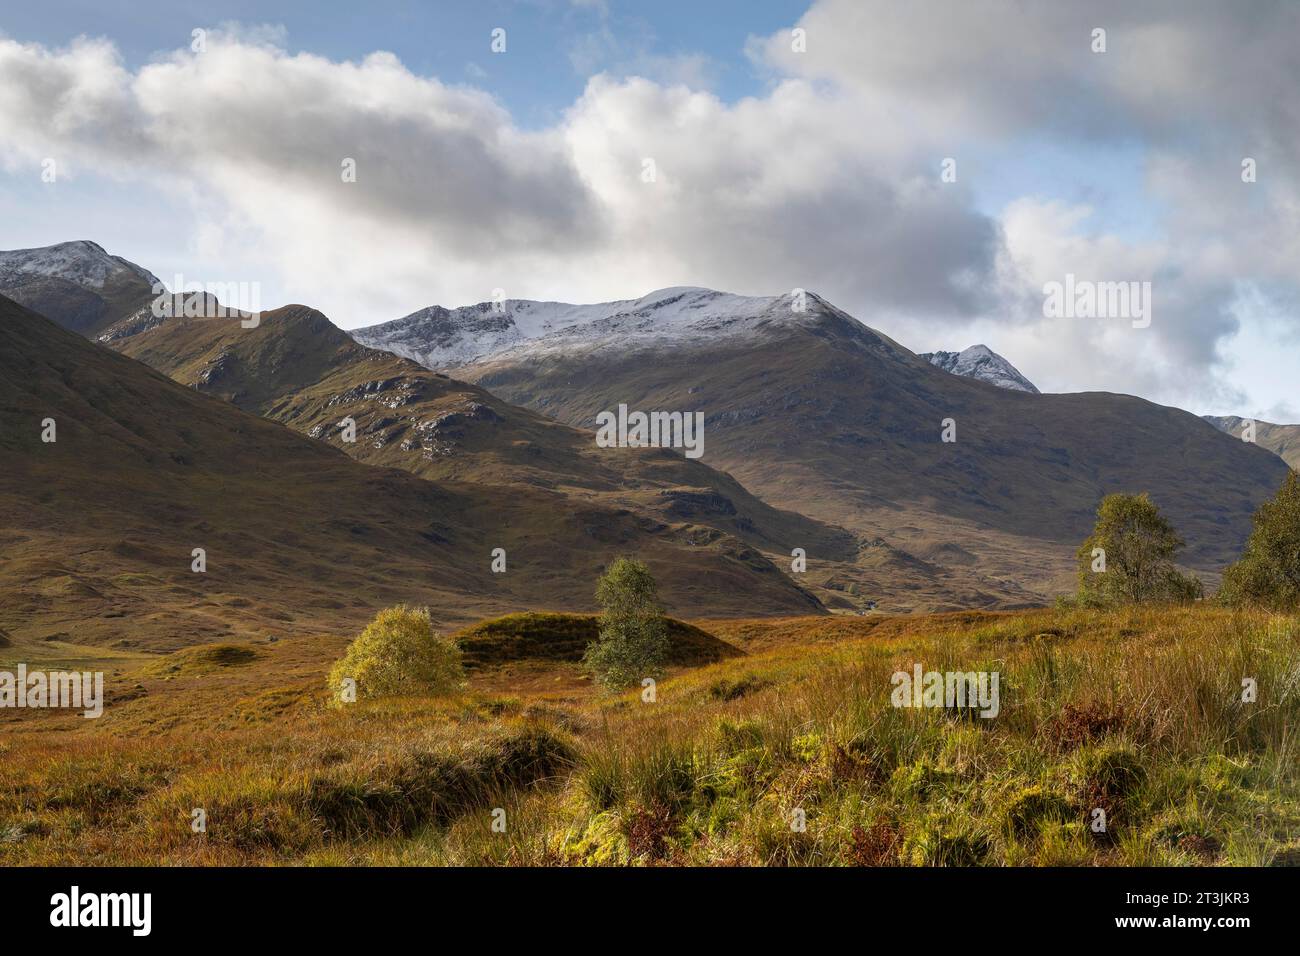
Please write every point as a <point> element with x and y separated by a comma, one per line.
<point>81,261</point>
<point>438,337</point>
<point>983,364</point>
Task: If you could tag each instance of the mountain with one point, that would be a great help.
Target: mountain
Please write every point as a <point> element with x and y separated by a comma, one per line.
<point>78,282</point>
<point>297,368</point>
<point>982,364</point>
<point>814,411</point>
<point>1281,440</point>
<point>98,526</point>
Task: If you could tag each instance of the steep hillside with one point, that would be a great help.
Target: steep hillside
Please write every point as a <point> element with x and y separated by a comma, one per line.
<point>298,368</point>
<point>99,525</point>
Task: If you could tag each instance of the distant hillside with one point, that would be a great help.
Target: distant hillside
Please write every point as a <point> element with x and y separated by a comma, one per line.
<point>982,364</point>
<point>813,411</point>
<point>1281,440</point>
<point>296,367</point>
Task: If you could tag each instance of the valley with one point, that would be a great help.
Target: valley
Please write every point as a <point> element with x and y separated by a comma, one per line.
<point>826,537</point>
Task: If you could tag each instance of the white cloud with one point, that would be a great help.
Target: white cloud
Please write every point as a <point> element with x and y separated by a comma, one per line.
<point>453,200</point>
<point>1175,357</point>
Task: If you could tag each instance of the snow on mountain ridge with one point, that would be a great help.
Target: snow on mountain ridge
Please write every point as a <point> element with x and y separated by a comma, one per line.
<point>982,364</point>
<point>438,337</point>
<point>80,261</point>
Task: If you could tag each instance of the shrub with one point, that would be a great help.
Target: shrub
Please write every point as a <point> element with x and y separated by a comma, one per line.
<point>399,653</point>
<point>1137,545</point>
<point>1268,573</point>
<point>633,641</point>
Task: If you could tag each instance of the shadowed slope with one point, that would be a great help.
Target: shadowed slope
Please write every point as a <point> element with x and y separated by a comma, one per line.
<point>77,284</point>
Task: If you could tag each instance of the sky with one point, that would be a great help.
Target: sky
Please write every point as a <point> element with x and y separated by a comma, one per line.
<point>930,167</point>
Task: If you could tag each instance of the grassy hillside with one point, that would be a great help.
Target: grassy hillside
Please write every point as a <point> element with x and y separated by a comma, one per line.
<point>1136,712</point>
<point>1281,440</point>
<point>297,368</point>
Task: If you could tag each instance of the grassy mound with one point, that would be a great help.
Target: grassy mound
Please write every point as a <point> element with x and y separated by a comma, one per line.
<point>563,637</point>
<point>204,659</point>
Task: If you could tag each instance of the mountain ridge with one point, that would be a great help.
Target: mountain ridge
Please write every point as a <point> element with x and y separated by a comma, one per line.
<point>411,418</point>
<point>675,315</point>
<point>822,414</point>
<point>837,429</point>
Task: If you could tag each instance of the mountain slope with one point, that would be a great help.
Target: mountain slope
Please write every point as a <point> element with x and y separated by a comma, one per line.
<point>814,411</point>
<point>982,364</point>
<point>1281,440</point>
<point>99,526</point>
<point>296,367</point>
<point>77,284</point>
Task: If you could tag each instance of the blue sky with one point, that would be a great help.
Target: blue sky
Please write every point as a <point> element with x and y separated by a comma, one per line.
<point>450,40</point>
